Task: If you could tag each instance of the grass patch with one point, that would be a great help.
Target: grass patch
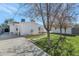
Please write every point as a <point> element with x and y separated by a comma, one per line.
<point>32,37</point>
<point>71,44</point>
<point>75,43</point>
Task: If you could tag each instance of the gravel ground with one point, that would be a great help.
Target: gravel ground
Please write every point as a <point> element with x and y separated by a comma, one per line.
<point>19,47</point>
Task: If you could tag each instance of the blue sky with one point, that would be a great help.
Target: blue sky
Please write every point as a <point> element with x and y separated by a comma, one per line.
<point>9,10</point>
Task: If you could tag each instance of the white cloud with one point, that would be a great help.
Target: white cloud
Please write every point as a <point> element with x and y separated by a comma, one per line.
<point>7,8</point>
<point>2,9</point>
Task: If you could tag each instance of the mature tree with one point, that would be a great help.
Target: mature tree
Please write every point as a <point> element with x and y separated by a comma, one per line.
<point>5,24</point>
<point>9,21</point>
<point>64,18</point>
<point>47,14</point>
<point>51,14</point>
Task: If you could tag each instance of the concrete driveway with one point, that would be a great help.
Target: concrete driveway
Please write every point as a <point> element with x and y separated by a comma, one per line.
<point>7,35</point>
<point>19,47</point>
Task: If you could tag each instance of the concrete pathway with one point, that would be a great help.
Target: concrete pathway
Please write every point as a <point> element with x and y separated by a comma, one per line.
<point>19,47</point>
<point>7,35</point>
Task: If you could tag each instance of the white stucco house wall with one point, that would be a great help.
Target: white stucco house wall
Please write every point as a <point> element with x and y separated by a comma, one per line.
<point>68,30</point>
<point>25,28</point>
<point>66,24</point>
<point>28,28</point>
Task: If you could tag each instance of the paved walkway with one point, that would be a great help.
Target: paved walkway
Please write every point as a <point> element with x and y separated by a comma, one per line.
<point>19,47</point>
<point>7,35</point>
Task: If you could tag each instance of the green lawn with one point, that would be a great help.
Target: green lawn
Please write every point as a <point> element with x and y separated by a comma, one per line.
<point>71,41</point>
<point>35,37</point>
<point>75,43</point>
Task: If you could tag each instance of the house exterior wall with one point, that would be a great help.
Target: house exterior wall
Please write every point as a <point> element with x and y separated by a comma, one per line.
<point>24,28</point>
<point>68,30</point>
<point>12,28</point>
<point>28,28</point>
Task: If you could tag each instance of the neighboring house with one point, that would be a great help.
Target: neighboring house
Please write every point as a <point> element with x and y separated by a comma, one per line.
<point>0,30</point>
<point>75,29</point>
<point>25,28</point>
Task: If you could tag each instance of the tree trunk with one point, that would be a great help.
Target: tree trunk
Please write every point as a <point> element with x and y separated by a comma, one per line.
<point>60,31</point>
<point>65,30</point>
<point>49,40</point>
<point>65,33</point>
